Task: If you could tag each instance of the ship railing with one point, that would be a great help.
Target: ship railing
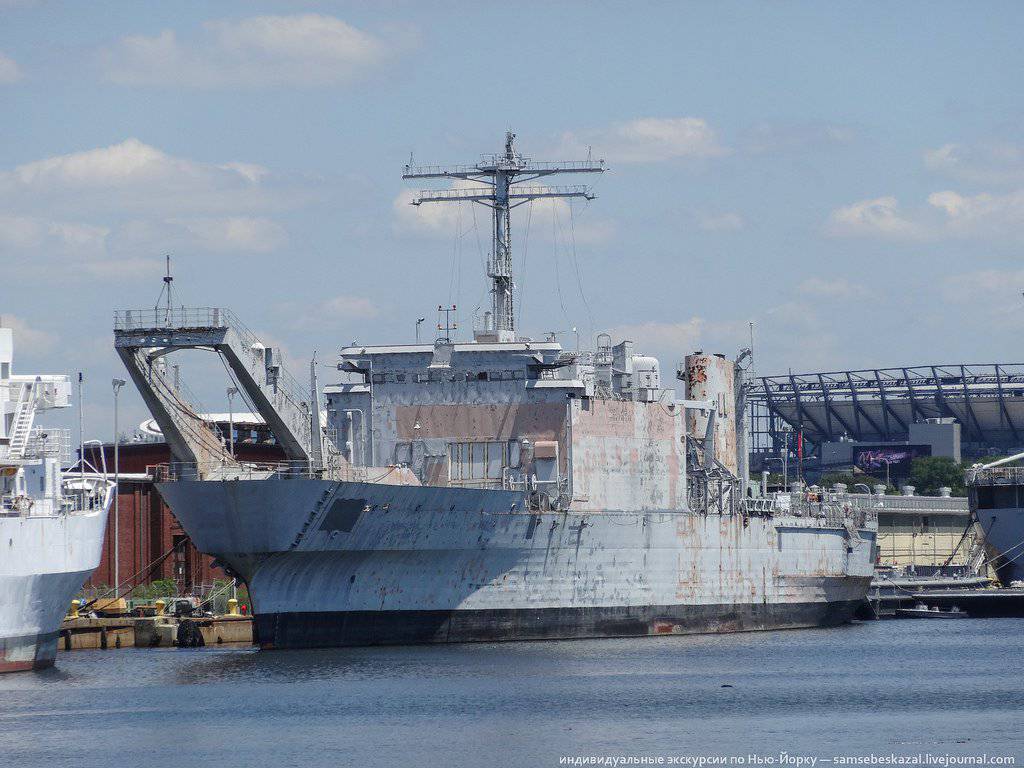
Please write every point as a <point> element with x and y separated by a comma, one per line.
<point>920,504</point>
<point>13,505</point>
<point>265,470</point>
<point>169,319</point>
<point>47,442</point>
<point>70,502</point>
<point>996,476</point>
<point>191,318</point>
<point>834,510</point>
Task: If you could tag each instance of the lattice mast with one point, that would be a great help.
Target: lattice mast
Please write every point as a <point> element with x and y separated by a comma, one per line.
<point>502,177</point>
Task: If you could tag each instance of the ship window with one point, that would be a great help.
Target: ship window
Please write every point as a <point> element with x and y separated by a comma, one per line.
<point>478,453</point>
<point>478,464</point>
<point>378,378</point>
<point>482,376</point>
<point>495,459</point>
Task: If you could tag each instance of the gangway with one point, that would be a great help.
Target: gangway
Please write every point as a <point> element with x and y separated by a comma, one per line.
<point>143,337</point>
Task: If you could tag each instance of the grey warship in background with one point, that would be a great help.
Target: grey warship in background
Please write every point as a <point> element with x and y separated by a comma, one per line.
<point>495,489</point>
<point>995,493</point>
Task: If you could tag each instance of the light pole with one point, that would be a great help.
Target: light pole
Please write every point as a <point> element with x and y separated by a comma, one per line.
<point>117,384</point>
<point>418,324</point>
<point>232,391</point>
<point>787,430</point>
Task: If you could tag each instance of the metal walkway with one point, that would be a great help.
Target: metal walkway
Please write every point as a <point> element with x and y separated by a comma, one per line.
<point>143,338</point>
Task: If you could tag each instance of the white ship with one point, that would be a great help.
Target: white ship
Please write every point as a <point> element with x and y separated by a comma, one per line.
<point>51,524</point>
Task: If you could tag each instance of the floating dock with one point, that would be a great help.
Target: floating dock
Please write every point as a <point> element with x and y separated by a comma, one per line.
<point>978,603</point>
<point>84,633</point>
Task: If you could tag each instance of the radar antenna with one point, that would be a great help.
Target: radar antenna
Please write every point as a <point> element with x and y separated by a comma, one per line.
<point>498,180</point>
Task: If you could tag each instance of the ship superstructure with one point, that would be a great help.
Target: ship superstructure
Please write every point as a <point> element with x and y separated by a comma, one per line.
<point>494,489</point>
<point>51,523</point>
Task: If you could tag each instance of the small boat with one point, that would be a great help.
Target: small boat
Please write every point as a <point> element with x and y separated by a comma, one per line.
<point>922,611</point>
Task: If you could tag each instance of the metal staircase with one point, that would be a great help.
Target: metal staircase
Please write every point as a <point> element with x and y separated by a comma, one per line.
<point>24,416</point>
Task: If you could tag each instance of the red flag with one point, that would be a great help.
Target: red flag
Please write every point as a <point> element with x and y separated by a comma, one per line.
<point>800,444</point>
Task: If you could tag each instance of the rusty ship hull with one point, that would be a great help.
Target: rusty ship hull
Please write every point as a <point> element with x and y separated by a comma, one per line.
<point>341,563</point>
<point>494,488</point>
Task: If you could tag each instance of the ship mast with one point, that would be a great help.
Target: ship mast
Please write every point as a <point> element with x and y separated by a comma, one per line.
<point>499,180</point>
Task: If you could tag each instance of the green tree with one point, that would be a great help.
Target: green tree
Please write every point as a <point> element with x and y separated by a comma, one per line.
<point>930,473</point>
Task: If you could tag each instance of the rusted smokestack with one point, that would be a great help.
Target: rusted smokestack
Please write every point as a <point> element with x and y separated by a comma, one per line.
<point>710,377</point>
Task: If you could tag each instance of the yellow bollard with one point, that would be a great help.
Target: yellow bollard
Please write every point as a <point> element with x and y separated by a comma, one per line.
<point>73,613</point>
<point>233,607</point>
<point>160,605</point>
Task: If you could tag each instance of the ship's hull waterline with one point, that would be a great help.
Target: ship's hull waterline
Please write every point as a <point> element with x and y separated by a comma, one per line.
<point>335,563</point>
<point>48,560</point>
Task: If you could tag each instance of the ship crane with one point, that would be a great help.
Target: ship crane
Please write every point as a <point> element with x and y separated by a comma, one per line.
<point>502,183</point>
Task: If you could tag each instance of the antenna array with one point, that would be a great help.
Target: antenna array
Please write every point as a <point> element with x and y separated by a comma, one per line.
<point>500,180</point>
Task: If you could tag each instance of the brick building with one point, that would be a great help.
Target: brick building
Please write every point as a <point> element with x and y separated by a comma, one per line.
<point>147,529</point>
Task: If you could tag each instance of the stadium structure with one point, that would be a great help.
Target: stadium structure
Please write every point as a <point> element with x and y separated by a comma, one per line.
<point>880,405</point>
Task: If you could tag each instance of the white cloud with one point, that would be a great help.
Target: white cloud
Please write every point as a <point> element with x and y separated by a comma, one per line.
<point>880,217</point>
<point>648,140</point>
<point>102,208</point>
<point>105,251</point>
<point>236,233</point>
<point>303,50</point>
<point>669,342</point>
<point>133,175</point>
<point>26,233</point>
<point>10,72</point>
<point>994,163</point>
<point>983,215</point>
<point>240,234</point>
<point>728,221</point>
<point>28,340</point>
<point>991,299</point>
<point>949,214</point>
<point>984,284</point>
<point>348,307</point>
<point>333,311</point>
<point>832,288</point>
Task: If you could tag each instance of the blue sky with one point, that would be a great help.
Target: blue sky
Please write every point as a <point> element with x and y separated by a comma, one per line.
<point>847,176</point>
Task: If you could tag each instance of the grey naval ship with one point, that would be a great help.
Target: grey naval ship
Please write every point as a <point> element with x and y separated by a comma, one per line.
<point>995,494</point>
<point>499,488</point>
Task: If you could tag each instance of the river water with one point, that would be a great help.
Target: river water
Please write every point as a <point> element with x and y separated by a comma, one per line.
<point>904,687</point>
